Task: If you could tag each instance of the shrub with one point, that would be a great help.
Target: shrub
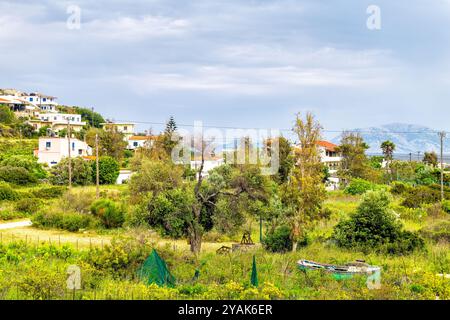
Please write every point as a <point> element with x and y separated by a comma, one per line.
<point>27,162</point>
<point>418,196</point>
<point>16,175</point>
<point>76,200</point>
<point>280,240</point>
<point>48,192</point>
<point>7,193</point>
<point>66,221</point>
<point>81,172</point>
<point>108,212</point>
<point>399,188</point>
<point>27,205</point>
<point>108,170</point>
<point>359,186</point>
<point>10,215</point>
<point>375,227</point>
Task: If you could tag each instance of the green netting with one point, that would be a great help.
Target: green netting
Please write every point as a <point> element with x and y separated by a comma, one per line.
<point>154,270</point>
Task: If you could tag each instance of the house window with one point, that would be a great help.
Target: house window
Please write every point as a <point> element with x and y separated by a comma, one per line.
<point>125,128</point>
<point>73,146</point>
<point>80,152</point>
<point>45,99</point>
<point>135,144</point>
<point>31,99</point>
<point>48,145</point>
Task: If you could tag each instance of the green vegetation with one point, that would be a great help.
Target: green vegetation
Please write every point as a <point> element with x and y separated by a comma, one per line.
<point>390,216</point>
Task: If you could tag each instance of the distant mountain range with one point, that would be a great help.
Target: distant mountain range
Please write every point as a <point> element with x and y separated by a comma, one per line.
<point>408,138</point>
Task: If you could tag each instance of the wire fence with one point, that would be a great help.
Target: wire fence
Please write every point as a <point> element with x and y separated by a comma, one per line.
<point>56,240</point>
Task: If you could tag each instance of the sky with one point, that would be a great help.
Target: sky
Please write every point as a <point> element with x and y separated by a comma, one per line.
<point>248,63</point>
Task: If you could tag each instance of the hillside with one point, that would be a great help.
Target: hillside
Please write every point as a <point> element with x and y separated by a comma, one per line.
<point>407,137</point>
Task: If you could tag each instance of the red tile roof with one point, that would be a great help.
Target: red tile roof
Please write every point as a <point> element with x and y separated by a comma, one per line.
<point>327,145</point>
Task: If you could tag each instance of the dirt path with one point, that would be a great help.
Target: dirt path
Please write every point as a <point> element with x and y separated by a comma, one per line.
<point>16,224</point>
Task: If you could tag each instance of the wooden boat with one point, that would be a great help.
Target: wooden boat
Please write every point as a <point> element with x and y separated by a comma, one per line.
<point>341,272</point>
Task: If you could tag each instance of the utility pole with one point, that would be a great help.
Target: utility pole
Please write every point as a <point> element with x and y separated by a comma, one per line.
<point>418,155</point>
<point>70,159</point>
<point>410,157</point>
<point>97,182</point>
<point>442,135</point>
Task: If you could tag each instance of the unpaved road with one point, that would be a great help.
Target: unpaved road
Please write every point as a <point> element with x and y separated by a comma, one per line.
<point>16,224</point>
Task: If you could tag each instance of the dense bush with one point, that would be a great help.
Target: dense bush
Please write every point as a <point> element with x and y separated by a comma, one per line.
<point>16,175</point>
<point>359,186</point>
<point>280,240</point>
<point>374,226</point>
<point>81,172</point>
<point>109,213</point>
<point>48,192</point>
<point>399,188</point>
<point>10,215</point>
<point>27,205</point>
<point>418,196</point>
<point>76,200</point>
<point>27,162</point>
<point>66,221</point>
<point>7,193</point>
<point>108,170</point>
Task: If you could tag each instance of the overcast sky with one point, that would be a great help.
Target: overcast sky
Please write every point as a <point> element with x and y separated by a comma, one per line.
<point>241,63</point>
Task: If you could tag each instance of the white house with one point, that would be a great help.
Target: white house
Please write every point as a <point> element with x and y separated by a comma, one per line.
<point>20,106</point>
<point>135,142</point>
<point>332,160</point>
<point>58,121</point>
<point>209,164</point>
<point>52,150</point>
<point>126,128</point>
<point>44,102</point>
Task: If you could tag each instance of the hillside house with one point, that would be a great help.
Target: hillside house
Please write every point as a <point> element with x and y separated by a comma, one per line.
<point>52,150</point>
<point>58,121</point>
<point>126,128</point>
<point>135,142</point>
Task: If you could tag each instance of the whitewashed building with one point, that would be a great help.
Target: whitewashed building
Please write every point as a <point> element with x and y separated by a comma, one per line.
<point>210,163</point>
<point>332,159</point>
<point>126,128</point>
<point>44,102</point>
<point>52,150</point>
<point>135,142</point>
<point>58,121</point>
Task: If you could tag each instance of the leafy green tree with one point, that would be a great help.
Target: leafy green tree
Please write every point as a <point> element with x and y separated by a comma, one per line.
<point>16,175</point>
<point>374,226</point>
<point>155,177</point>
<point>171,128</point>
<point>305,192</point>
<point>81,172</point>
<point>188,209</point>
<point>388,148</point>
<point>431,159</point>
<point>93,118</point>
<point>109,213</point>
<point>354,160</point>
<point>108,170</point>
<point>111,142</point>
<point>43,131</point>
<point>286,158</point>
<point>6,115</point>
<point>27,162</point>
